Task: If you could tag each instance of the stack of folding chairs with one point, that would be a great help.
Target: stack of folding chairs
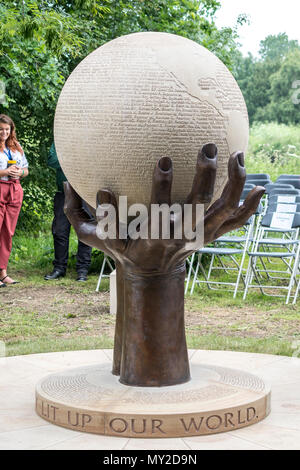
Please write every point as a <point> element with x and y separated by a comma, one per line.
<point>269,237</point>
<point>274,256</point>
<point>227,248</point>
<point>226,254</point>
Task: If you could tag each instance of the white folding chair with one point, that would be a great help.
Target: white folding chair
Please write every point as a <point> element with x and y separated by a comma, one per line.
<point>257,176</point>
<point>297,291</point>
<point>288,254</point>
<point>284,177</point>
<point>190,271</point>
<point>102,275</point>
<point>287,203</point>
<point>233,246</point>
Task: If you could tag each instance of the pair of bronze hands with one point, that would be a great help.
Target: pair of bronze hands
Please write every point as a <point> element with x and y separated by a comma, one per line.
<point>150,346</point>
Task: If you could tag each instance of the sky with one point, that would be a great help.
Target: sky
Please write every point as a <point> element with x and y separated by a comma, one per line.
<point>266,16</point>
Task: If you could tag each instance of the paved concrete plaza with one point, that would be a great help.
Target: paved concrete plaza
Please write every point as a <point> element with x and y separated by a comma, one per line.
<point>21,428</point>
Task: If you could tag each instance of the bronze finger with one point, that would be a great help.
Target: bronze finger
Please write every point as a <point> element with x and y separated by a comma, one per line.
<point>204,179</point>
<point>162,182</point>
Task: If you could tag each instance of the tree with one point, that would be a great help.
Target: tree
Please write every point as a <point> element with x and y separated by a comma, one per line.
<point>276,47</point>
<point>266,82</point>
<point>36,47</point>
<point>282,108</point>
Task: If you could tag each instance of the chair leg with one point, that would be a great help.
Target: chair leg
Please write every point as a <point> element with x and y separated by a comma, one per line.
<point>101,273</point>
<point>210,267</point>
<point>294,278</point>
<point>190,261</point>
<point>223,265</point>
<point>240,275</point>
<point>247,280</point>
<point>195,277</point>
<point>296,294</point>
<point>251,273</point>
<point>110,265</point>
<point>253,266</point>
<point>206,277</point>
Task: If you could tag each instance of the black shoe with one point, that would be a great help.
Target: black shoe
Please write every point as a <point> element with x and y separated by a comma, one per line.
<point>56,274</point>
<point>81,277</point>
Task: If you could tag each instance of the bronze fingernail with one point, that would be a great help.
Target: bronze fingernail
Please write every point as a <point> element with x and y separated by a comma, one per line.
<point>210,150</point>
<point>103,197</point>
<point>241,159</point>
<point>165,164</point>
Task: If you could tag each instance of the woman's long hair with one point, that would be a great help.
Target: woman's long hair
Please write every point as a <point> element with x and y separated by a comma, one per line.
<point>11,142</point>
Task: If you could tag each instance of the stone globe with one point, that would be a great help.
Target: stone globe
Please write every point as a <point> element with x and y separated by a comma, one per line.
<point>141,97</point>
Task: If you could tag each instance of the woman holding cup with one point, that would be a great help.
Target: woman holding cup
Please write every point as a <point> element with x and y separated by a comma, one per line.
<point>13,167</point>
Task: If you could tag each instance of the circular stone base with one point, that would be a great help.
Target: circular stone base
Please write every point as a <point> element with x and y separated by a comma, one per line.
<point>91,399</point>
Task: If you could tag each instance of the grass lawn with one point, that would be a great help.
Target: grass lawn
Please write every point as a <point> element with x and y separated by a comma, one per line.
<point>44,316</point>
<point>40,316</point>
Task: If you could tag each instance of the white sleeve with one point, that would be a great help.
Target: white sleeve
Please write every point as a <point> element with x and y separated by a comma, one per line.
<point>24,161</point>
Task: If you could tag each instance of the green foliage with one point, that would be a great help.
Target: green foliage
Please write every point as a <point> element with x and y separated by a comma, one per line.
<point>35,250</point>
<point>39,46</point>
<point>282,108</point>
<point>70,315</point>
<point>53,343</point>
<point>39,187</point>
<point>272,345</point>
<point>274,149</point>
<point>42,42</point>
<point>277,47</point>
<point>33,216</point>
<point>267,82</point>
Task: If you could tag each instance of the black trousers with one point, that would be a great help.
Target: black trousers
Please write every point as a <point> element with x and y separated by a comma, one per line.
<point>61,233</point>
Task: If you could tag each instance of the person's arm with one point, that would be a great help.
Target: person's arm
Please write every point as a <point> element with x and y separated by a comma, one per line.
<point>23,167</point>
<point>24,172</point>
<point>14,172</point>
<point>4,172</point>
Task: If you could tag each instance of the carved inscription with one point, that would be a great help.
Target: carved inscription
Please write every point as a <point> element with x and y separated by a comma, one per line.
<point>142,97</point>
<point>215,422</point>
<point>82,402</point>
<point>199,424</point>
<point>78,419</point>
<point>136,426</point>
<point>156,426</point>
<point>49,411</point>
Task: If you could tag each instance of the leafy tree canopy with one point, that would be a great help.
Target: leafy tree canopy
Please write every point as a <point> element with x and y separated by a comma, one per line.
<point>276,48</point>
<point>267,81</point>
<point>41,41</point>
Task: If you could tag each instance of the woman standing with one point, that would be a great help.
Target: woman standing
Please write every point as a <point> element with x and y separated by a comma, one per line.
<point>13,167</point>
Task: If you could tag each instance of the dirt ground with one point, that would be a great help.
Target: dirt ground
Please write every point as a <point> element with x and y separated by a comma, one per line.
<point>71,310</point>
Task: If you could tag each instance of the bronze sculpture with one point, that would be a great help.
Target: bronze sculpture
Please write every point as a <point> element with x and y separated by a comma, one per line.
<point>150,346</point>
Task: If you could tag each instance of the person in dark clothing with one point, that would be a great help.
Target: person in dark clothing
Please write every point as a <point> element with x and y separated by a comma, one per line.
<point>61,230</point>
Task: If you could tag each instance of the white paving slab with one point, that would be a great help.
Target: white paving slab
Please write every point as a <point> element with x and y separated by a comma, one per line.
<point>21,428</point>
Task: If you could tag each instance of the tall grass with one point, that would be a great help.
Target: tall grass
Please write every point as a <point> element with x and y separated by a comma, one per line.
<point>274,149</point>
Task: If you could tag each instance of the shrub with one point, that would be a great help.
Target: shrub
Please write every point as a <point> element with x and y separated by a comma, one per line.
<point>274,149</point>
<point>39,187</point>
